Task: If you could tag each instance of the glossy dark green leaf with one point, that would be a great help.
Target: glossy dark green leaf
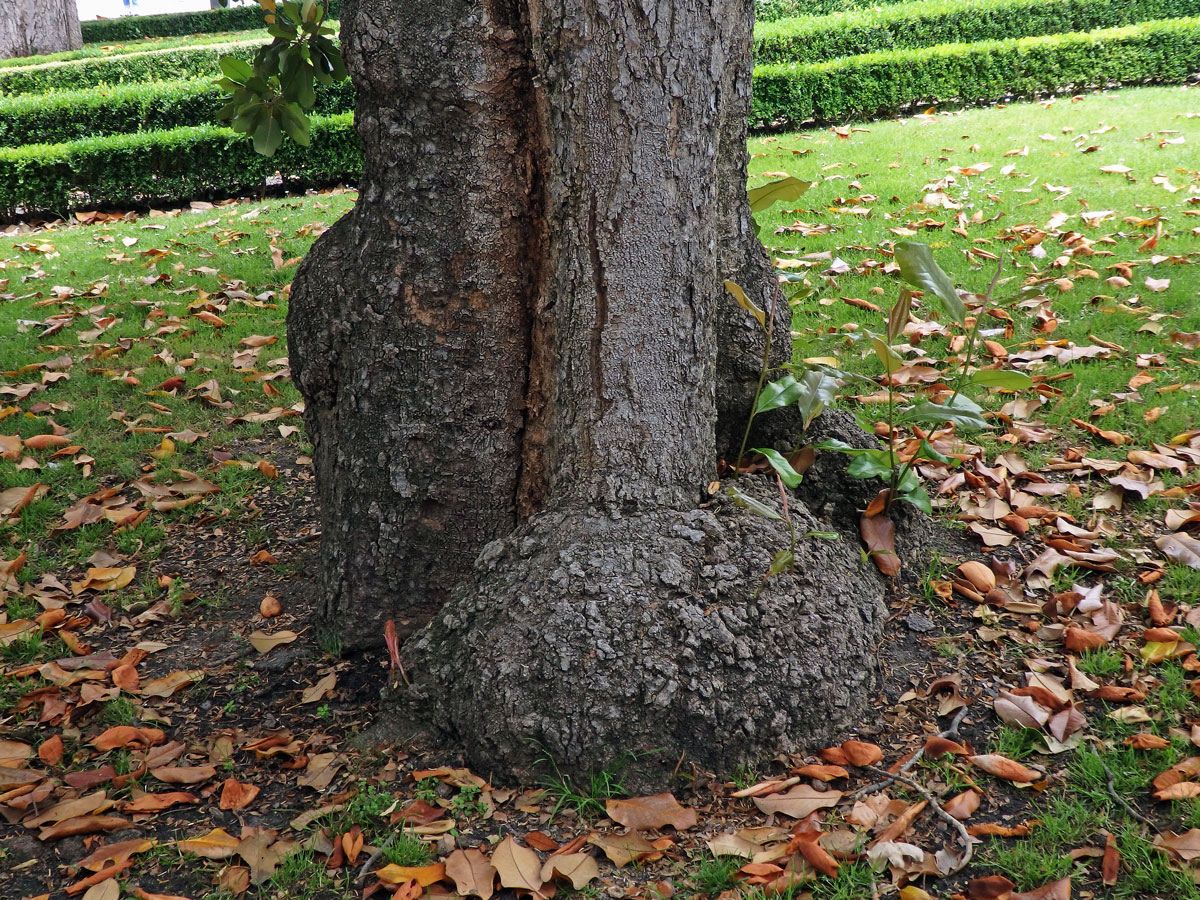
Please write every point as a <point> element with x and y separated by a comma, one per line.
<point>782,467</point>
<point>918,268</point>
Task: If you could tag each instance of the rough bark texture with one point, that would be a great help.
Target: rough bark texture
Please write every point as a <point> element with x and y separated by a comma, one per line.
<point>29,27</point>
<point>409,322</point>
<point>513,336</point>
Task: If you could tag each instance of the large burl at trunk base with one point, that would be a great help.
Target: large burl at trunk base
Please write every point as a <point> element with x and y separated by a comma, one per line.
<point>591,636</point>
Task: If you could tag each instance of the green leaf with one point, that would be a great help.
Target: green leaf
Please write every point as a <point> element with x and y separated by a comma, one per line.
<point>887,356</point>
<point>1005,379</point>
<point>295,123</point>
<point>236,70</point>
<point>777,192</point>
<point>840,447</point>
<point>917,497</point>
<point>778,394</point>
<point>783,561</point>
<point>746,303</point>
<point>899,316</point>
<point>926,451</point>
<point>741,501</point>
<point>917,267</point>
<point>964,413</point>
<point>782,467</point>
<point>268,135</point>
<point>871,464</point>
<point>818,390</point>
<point>823,535</point>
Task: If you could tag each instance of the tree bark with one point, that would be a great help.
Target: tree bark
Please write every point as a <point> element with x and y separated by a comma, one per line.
<point>513,337</point>
<point>30,27</point>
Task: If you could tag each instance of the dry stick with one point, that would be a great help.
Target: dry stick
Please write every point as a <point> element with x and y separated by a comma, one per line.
<point>1112,790</point>
<point>374,857</point>
<point>968,843</point>
<point>875,787</point>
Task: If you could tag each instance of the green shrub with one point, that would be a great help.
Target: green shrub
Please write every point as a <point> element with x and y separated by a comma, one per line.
<point>89,51</point>
<point>158,167</point>
<point>129,28</point>
<point>771,10</point>
<point>70,115</point>
<point>126,68</point>
<point>924,23</point>
<point>862,87</point>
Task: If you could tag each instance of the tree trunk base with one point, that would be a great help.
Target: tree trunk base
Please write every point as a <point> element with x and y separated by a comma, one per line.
<point>587,637</point>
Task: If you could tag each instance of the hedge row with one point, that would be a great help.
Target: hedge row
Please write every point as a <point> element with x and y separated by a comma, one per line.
<point>870,86</point>
<point>126,68</point>
<point>133,170</point>
<point>129,28</point>
<point>91,51</point>
<point>925,23</point>
<point>771,10</point>
<point>124,109</point>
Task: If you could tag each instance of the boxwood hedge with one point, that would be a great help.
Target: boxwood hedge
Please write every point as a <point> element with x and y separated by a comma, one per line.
<point>128,28</point>
<point>158,167</point>
<point>872,85</point>
<point>126,108</point>
<point>126,68</point>
<point>771,10</point>
<point>924,23</point>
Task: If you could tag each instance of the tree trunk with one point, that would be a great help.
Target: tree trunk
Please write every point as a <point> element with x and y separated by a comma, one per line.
<point>30,27</point>
<point>516,328</point>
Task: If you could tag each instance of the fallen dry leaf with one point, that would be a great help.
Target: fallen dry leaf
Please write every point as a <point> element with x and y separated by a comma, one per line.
<point>651,813</point>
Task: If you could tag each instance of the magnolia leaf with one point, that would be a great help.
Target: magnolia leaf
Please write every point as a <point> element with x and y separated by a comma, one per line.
<point>265,643</point>
<point>799,802</point>
<point>472,873</point>
<point>741,501</point>
<point>879,534</point>
<point>782,467</point>
<point>777,192</point>
<point>746,303</point>
<point>1004,379</point>
<point>577,868</point>
<point>651,813</point>
<point>517,866</point>
<point>918,268</point>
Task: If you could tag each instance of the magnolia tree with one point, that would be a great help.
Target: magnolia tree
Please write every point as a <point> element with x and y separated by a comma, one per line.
<point>29,27</point>
<point>521,369</point>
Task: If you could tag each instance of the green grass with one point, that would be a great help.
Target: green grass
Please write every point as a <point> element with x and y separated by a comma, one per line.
<point>587,798</point>
<point>888,169</point>
<point>113,409</point>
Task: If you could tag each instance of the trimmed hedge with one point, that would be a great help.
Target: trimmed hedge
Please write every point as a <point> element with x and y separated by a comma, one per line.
<point>925,23</point>
<point>126,68</point>
<point>91,51</point>
<point>136,170</point>
<point>130,28</point>
<point>869,86</point>
<point>772,10</point>
<point>123,109</point>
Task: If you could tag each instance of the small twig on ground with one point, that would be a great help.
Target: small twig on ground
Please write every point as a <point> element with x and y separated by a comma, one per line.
<point>876,786</point>
<point>1112,790</point>
<point>968,843</point>
<point>374,857</point>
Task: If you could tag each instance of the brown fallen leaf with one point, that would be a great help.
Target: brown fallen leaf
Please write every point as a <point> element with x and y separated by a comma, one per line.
<point>113,853</point>
<point>184,774</point>
<point>1110,864</point>
<point>472,873</point>
<point>798,802</point>
<point>169,684</point>
<point>1180,547</point>
<point>237,795</point>
<point>1055,890</point>
<point>577,868</point>
<point>651,813</point>
<point>1003,767</point>
<point>150,803</point>
<point>623,849</point>
<point>990,887</point>
<point>518,867</point>
<point>879,536</point>
<point>265,643</point>
<point>83,825</point>
<point>962,806</point>
<point>1186,846</point>
<point>860,753</point>
<point>217,844</point>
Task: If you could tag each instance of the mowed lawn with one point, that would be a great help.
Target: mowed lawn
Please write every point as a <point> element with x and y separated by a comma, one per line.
<point>973,185</point>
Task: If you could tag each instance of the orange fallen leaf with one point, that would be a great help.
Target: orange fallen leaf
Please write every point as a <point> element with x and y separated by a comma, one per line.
<point>1003,767</point>
<point>237,795</point>
<point>651,813</point>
